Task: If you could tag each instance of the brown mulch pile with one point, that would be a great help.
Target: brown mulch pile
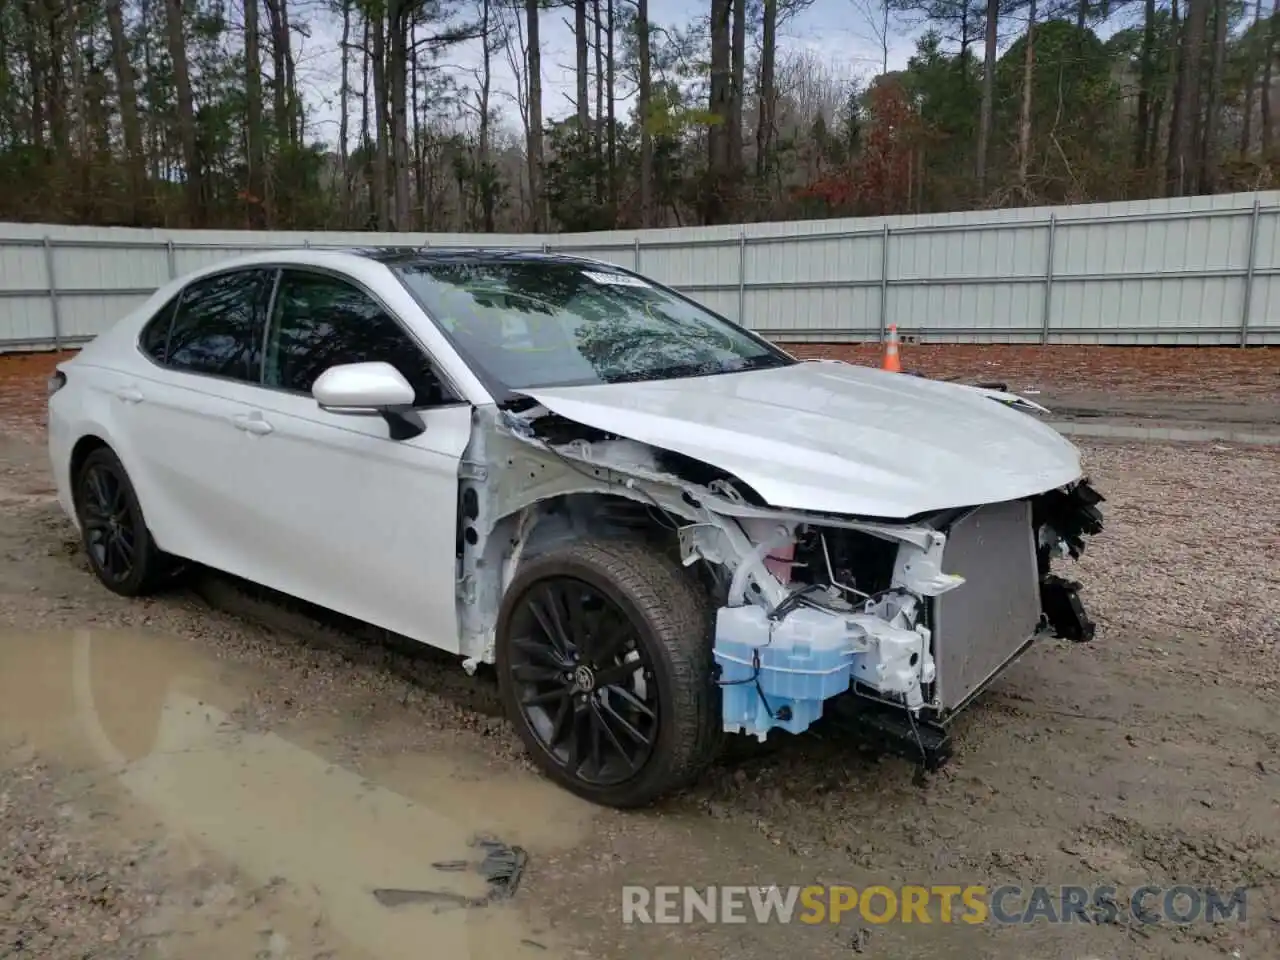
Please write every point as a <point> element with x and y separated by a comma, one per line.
<point>1184,373</point>
<point>1129,373</point>
<point>23,395</point>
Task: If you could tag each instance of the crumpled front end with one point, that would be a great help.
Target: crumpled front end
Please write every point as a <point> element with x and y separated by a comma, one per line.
<point>920,616</point>
<point>914,616</point>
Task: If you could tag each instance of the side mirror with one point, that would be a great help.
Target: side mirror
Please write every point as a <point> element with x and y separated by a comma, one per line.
<point>362,388</point>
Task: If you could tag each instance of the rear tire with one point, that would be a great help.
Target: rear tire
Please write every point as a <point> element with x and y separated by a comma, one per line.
<point>121,551</point>
<point>586,680</point>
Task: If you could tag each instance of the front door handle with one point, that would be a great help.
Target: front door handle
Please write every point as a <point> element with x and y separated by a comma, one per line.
<point>254,425</point>
<point>129,394</point>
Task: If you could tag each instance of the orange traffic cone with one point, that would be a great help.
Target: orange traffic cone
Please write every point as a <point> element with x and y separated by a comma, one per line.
<point>891,361</point>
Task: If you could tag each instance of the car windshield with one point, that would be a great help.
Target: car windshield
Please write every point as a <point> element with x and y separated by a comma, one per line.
<point>543,323</point>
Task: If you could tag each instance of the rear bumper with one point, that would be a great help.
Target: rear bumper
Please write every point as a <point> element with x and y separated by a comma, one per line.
<point>59,442</point>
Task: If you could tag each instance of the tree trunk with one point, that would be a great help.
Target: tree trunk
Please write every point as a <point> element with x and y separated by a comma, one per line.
<point>36,68</point>
<point>1180,166</point>
<point>644,106</point>
<point>280,89</point>
<point>764,122</point>
<point>381,155</point>
<point>583,69</point>
<point>1024,120</point>
<point>487,174</point>
<point>988,94</point>
<point>344,98</point>
<point>417,159</point>
<point>1170,94</point>
<point>738,56</point>
<point>259,212</point>
<point>366,139</point>
<point>534,147</point>
<point>1212,122</point>
<point>397,80</point>
<point>186,111</point>
<point>1250,83</point>
<point>599,124</point>
<point>71,25</point>
<point>55,89</point>
<point>1147,78</point>
<point>721,105</point>
<point>126,85</point>
<point>1272,28</point>
<point>611,105</point>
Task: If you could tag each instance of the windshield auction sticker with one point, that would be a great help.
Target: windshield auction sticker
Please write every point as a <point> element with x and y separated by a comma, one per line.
<point>614,279</point>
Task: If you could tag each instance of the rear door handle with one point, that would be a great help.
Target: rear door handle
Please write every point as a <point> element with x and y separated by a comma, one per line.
<point>129,394</point>
<point>251,424</point>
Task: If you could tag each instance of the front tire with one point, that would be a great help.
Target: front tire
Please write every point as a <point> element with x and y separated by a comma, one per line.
<point>604,666</point>
<point>121,552</point>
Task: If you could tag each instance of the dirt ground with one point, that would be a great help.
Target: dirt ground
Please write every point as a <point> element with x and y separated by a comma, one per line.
<point>211,774</point>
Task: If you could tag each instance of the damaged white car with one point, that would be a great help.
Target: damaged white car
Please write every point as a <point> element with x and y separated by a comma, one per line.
<point>657,526</point>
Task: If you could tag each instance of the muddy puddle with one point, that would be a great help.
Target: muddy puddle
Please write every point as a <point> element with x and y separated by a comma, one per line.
<point>255,843</point>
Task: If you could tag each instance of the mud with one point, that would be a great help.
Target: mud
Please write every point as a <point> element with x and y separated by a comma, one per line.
<point>156,736</point>
<point>212,773</point>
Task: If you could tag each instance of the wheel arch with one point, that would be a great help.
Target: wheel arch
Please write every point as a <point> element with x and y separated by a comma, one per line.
<point>80,451</point>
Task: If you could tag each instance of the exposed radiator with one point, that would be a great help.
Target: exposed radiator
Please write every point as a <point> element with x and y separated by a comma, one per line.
<point>979,626</point>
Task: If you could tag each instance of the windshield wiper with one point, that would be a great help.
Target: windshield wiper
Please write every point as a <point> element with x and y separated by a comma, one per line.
<point>668,373</point>
<point>761,362</point>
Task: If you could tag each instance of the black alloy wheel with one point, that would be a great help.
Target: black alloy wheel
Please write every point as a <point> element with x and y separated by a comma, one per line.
<point>119,545</point>
<point>586,688</point>
<point>604,665</point>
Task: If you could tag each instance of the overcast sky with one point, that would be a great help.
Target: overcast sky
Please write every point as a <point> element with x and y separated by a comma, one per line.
<point>835,31</point>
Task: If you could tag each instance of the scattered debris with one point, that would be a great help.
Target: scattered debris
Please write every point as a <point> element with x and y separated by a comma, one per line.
<point>502,867</point>
<point>861,938</point>
<point>393,897</point>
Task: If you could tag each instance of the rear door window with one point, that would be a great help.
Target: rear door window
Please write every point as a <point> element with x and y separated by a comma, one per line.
<point>219,326</point>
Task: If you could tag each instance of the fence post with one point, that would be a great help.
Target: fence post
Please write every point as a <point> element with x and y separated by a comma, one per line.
<point>55,307</point>
<point>171,259</point>
<point>1048,281</point>
<point>742,278</point>
<point>1248,275</point>
<point>635,255</point>
<point>884,282</point>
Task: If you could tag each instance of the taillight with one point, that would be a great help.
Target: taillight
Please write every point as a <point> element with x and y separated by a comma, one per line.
<point>56,382</point>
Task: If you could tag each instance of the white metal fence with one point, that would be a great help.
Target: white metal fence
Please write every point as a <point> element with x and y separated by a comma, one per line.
<point>1201,270</point>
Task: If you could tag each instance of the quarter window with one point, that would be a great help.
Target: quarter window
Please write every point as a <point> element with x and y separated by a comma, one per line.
<point>155,335</point>
<point>320,321</point>
<point>218,327</point>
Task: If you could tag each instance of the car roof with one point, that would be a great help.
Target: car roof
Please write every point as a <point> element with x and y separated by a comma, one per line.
<point>399,256</point>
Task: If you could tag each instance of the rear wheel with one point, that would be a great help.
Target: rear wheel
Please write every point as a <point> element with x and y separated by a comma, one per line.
<point>604,665</point>
<point>119,545</point>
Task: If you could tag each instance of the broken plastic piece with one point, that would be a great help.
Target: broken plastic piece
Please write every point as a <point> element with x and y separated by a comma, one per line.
<point>1060,601</point>
<point>502,867</point>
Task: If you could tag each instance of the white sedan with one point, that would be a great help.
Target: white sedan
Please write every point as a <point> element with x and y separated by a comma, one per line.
<point>658,526</point>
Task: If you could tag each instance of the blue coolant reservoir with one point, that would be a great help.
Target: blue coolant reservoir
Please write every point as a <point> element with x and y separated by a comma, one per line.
<point>776,674</point>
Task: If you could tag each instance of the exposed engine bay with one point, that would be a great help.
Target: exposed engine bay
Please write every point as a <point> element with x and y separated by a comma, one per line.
<point>917,615</point>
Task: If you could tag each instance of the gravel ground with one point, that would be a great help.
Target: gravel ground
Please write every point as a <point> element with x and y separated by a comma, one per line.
<point>1149,756</point>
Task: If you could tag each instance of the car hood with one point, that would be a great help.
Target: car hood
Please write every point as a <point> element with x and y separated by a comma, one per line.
<point>836,438</point>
